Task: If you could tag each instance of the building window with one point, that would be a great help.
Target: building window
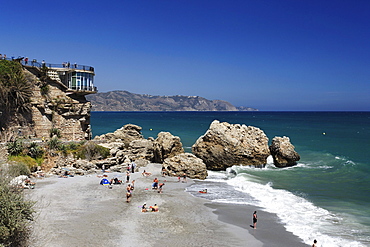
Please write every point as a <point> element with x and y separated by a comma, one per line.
<point>81,81</point>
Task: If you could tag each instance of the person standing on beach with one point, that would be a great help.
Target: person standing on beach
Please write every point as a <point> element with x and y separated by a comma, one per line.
<point>127,177</point>
<point>160,187</point>
<point>133,167</point>
<point>155,184</point>
<point>132,185</point>
<point>255,219</point>
<point>128,196</point>
<point>184,178</point>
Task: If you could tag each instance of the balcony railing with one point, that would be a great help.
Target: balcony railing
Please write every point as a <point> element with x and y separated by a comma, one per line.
<point>68,66</point>
<point>35,63</point>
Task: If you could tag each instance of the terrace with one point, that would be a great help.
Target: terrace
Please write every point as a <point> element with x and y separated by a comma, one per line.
<point>77,78</point>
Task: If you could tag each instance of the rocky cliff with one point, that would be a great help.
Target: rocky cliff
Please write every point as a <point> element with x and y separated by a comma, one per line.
<point>126,101</point>
<point>50,105</point>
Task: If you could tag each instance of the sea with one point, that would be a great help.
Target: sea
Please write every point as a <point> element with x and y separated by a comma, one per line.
<point>326,196</point>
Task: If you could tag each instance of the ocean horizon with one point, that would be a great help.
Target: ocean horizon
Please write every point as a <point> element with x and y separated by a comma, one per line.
<point>326,196</point>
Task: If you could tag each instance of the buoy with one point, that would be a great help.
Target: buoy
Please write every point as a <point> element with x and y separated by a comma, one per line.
<point>150,129</point>
<point>323,133</point>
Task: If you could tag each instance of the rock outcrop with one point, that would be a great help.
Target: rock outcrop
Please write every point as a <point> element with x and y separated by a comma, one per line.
<point>185,163</point>
<point>166,146</point>
<point>126,134</point>
<point>225,145</point>
<point>283,152</point>
<point>127,144</point>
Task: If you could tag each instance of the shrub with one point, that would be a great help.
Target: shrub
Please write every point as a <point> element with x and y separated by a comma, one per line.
<point>34,150</point>
<point>55,132</point>
<point>91,150</point>
<point>71,147</point>
<point>15,214</point>
<point>22,165</point>
<point>54,143</point>
<point>15,148</point>
<point>44,89</point>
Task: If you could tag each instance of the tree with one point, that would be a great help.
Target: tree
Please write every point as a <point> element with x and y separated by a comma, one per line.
<point>15,92</point>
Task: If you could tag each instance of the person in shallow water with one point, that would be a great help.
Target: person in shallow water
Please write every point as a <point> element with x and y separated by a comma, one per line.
<point>255,219</point>
<point>314,243</point>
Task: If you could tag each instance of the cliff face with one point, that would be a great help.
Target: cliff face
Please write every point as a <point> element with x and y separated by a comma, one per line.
<point>126,101</point>
<point>52,106</point>
<point>68,112</point>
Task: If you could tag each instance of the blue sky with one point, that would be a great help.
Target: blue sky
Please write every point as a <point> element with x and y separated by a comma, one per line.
<point>267,54</point>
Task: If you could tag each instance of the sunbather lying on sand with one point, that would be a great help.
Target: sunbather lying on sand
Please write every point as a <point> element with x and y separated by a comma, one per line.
<point>154,208</point>
<point>146,174</point>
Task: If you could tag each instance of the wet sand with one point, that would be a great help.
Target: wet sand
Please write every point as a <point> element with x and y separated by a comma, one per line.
<point>78,211</point>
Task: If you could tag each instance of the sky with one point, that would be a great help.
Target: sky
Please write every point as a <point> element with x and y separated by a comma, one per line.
<point>273,55</point>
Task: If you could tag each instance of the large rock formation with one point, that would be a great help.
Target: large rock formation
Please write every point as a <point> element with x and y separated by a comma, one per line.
<point>126,134</point>
<point>283,152</point>
<point>166,146</point>
<point>140,151</point>
<point>225,145</point>
<point>185,163</point>
<point>127,144</point>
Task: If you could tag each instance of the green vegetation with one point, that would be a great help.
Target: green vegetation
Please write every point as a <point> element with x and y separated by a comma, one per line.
<point>16,169</point>
<point>30,155</point>
<point>55,132</point>
<point>81,150</point>
<point>27,161</point>
<point>54,143</point>
<point>16,213</point>
<point>44,89</point>
<point>15,148</point>
<point>15,92</point>
<point>34,150</point>
<point>91,150</point>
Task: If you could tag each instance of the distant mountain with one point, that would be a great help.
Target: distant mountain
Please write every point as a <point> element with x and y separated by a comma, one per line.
<point>126,101</point>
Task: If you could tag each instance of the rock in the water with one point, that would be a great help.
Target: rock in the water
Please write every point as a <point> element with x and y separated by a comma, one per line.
<point>186,163</point>
<point>166,146</point>
<point>225,145</point>
<point>283,152</point>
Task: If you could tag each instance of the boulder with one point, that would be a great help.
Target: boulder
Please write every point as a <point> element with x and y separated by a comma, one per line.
<point>166,146</point>
<point>225,145</point>
<point>126,134</point>
<point>283,152</point>
<point>136,149</point>
<point>186,163</point>
<point>84,164</point>
<point>140,149</point>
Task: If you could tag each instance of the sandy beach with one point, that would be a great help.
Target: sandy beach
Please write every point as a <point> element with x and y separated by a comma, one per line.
<point>78,211</point>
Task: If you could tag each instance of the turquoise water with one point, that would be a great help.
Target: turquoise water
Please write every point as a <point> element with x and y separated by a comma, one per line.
<point>328,191</point>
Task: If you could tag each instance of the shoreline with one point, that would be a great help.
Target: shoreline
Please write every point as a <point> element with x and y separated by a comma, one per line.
<point>78,211</point>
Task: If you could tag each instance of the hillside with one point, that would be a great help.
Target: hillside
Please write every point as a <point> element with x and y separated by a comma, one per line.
<point>126,101</point>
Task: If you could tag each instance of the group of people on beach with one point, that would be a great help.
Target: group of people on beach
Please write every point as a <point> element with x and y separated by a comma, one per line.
<point>157,186</point>
<point>154,208</point>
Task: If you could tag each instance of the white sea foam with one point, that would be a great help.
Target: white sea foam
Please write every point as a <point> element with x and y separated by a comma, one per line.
<point>299,216</point>
<point>325,167</point>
